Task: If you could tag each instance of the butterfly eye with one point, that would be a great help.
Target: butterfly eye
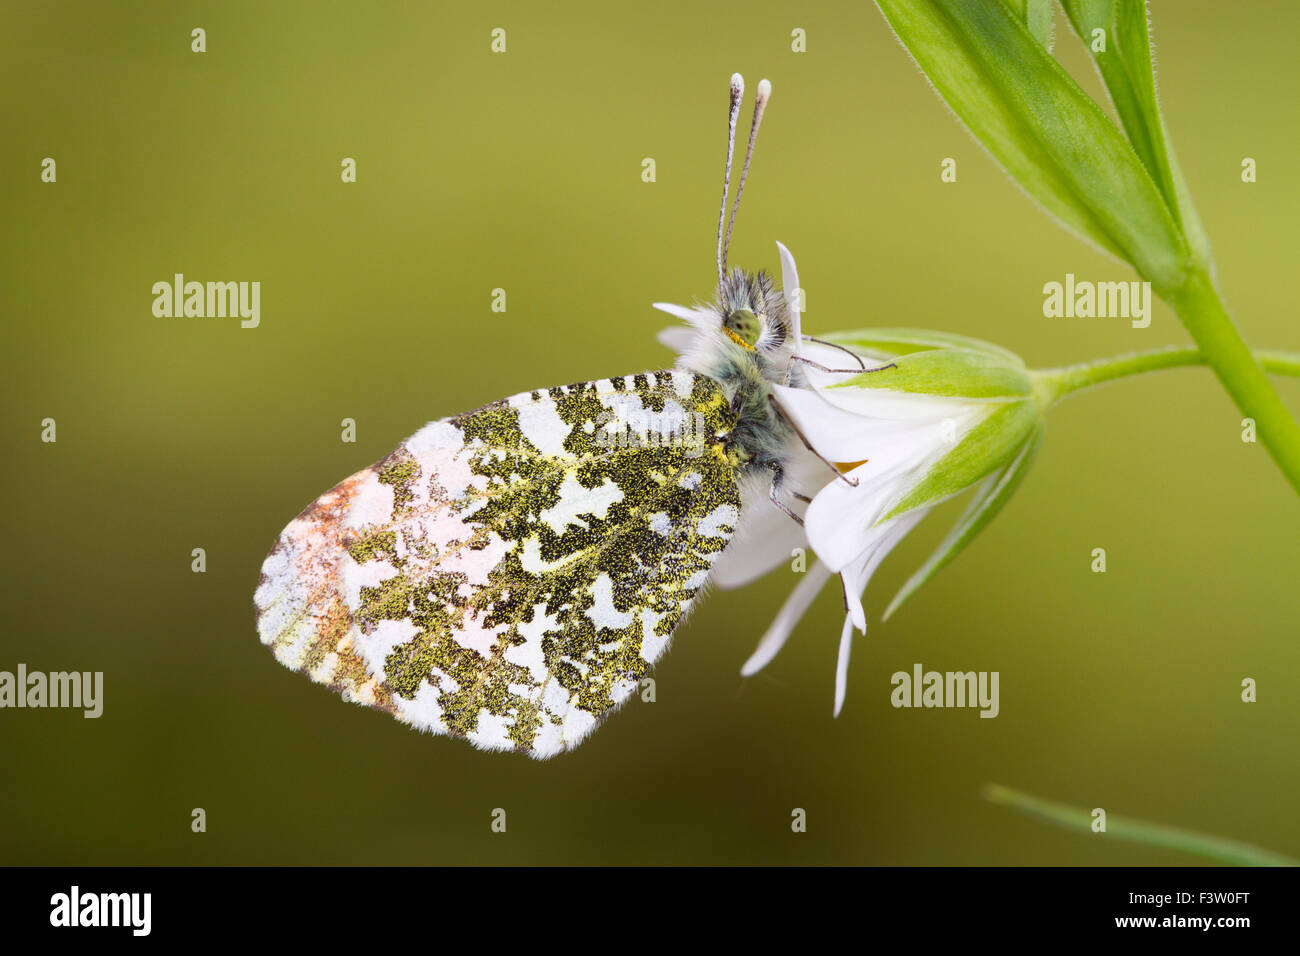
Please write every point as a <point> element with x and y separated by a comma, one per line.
<point>743,324</point>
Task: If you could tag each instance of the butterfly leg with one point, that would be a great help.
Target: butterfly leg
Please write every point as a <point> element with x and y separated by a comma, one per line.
<point>817,365</point>
<point>854,355</point>
<point>777,475</point>
<point>851,482</point>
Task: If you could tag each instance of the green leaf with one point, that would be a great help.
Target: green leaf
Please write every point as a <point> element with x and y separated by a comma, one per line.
<point>1039,21</point>
<point>1037,16</point>
<point>955,373</point>
<point>1138,831</point>
<point>902,341</point>
<point>1045,131</point>
<point>1126,70</point>
<point>986,448</point>
<point>989,500</point>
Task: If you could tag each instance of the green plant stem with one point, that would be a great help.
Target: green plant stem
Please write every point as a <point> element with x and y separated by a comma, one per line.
<point>1198,305</point>
<point>1138,831</point>
<point>1054,384</point>
<point>1241,371</point>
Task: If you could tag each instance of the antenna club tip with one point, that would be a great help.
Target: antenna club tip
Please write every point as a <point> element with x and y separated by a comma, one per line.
<point>764,88</point>
<point>737,84</point>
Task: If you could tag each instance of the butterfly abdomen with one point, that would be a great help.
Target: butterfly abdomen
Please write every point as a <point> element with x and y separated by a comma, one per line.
<point>759,438</point>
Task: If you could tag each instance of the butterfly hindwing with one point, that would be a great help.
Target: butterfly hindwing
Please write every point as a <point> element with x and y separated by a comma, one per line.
<point>509,575</point>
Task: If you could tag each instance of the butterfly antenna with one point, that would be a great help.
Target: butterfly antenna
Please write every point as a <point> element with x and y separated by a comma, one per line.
<point>760,104</point>
<point>737,91</point>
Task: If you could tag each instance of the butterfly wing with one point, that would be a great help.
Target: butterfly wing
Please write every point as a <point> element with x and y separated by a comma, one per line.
<point>509,575</point>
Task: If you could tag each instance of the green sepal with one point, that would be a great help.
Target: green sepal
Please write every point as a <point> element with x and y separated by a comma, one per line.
<point>888,342</point>
<point>950,373</point>
<point>988,501</point>
<point>986,448</point>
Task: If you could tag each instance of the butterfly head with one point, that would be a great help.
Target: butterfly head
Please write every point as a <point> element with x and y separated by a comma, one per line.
<point>749,338</point>
<point>749,334</point>
<point>752,311</point>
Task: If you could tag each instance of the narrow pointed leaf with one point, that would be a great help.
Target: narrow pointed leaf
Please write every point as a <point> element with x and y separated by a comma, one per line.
<point>1122,53</point>
<point>1206,845</point>
<point>1039,20</point>
<point>989,500</point>
<point>1037,16</point>
<point>1042,128</point>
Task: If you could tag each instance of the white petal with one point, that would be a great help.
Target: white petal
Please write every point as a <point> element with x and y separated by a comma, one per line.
<point>858,574</point>
<point>677,338</point>
<point>796,605</point>
<point>677,311</point>
<point>842,364</point>
<point>844,435</point>
<point>790,286</point>
<point>853,604</point>
<point>836,434</point>
<point>895,452</point>
<point>855,581</point>
<point>699,318</point>
<point>841,521</point>
<point>842,665</point>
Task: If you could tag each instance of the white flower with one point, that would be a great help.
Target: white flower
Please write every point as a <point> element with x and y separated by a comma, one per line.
<point>897,439</point>
<point>950,413</point>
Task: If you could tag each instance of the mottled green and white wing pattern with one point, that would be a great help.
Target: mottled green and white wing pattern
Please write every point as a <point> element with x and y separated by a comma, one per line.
<point>509,575</point>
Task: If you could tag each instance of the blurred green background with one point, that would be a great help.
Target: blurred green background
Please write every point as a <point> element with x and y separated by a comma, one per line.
<point>523,171</point>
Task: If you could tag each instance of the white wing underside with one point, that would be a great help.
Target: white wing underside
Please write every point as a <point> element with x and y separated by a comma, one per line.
<point>509,575</point>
